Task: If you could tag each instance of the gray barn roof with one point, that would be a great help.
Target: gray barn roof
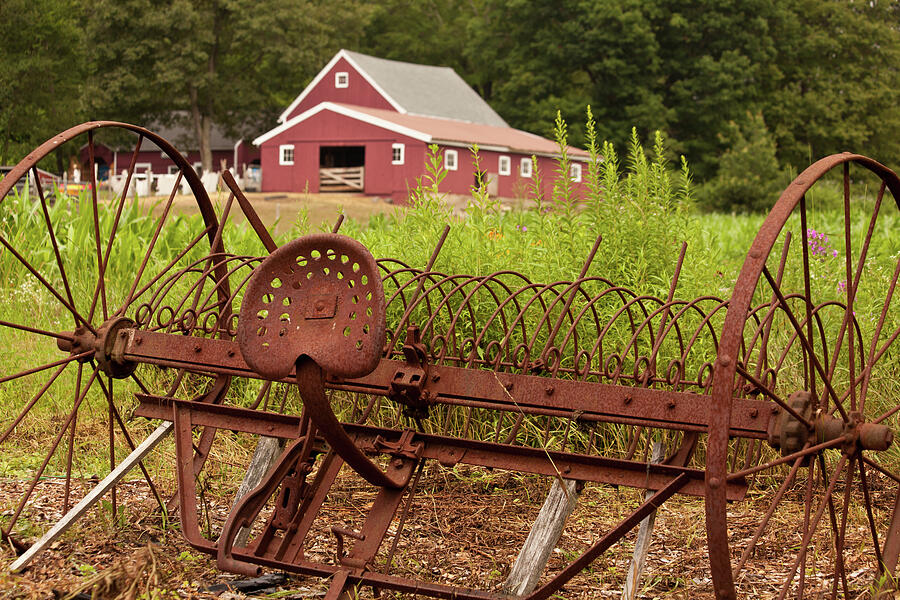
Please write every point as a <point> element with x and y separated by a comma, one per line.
<point>180,133</point>
<point>428,90</point>
<point>413,89</point>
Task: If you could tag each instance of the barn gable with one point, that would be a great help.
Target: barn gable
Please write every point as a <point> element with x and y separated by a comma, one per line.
<point>359,79</point>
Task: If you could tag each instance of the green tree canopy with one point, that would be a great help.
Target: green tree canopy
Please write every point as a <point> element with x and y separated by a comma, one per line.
<point>42,68</point>
<point>236,63</point>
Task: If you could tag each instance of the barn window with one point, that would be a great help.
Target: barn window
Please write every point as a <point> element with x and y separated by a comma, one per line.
<point>398,152</point>
<point>286,154</point>
<point>173,169</point>
<point>341,79</point>
<point>450,160</point>
<point>525,167</point>
<point>505,166</point>
<point>575,172</point>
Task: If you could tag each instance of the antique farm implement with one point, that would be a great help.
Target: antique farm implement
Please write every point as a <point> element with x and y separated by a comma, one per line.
<point>785,392</point>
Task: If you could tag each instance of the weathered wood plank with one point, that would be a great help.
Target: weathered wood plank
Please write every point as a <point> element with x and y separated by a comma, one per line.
<point>545,533</point>
<point>642,543</point>
<point>267,451</point>
<point>116,475</point>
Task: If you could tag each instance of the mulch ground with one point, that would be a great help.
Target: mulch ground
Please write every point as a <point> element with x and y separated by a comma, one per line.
<point>465,528</point>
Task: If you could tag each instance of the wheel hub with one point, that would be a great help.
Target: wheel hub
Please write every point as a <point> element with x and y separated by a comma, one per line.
<point>790,434</point>
<point>106,346</point>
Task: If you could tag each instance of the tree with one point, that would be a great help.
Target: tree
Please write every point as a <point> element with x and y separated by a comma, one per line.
<point>42,66</point>
<point>840,86</point>
<point>236,63</point>
<point>749,176</point>
<point>821,73</point>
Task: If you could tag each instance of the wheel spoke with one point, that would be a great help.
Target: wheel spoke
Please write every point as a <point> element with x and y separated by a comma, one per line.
<point>806,344</point>
<point>852,287</point>
<point>810,372</point>
<point>210,261</point>
<point>44,367</point>
<point>867,497</point>
<point>100,270</point>
<point>848,312</point>
<point>59,261</point>
<point>877,334</point>
<point>765,390</point>
<point>811,528</point>
<point>53,446</point>
<point>140,384</point>
<point>71,447</point>
<point>114,413</point>
<point>807,508</point>
<point>879,468</point>
<point>887,414</point>
<point>837,533</point>
<point>47,285</point>
<point>101,281</point>
<point>764,522</point>
<point>773,303</point>
<point>53,334</point>
<point>165,270</point>
<point>40,393</point>
<point>805,451</point>
<point>159,225</point>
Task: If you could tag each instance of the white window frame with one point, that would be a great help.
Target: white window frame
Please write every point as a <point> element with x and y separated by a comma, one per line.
<point>142,167</point>
<point>172,169</point>
<point>401,154</point>
<point>451,164</point>
<point>575,172</point>
<point>198,167</point>
<point>281,152</point>
<point>504,165</point>
<point>342,79</point>
<point>526,167</point>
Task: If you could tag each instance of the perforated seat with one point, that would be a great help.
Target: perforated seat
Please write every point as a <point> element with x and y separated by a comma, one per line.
<point>319,296</point>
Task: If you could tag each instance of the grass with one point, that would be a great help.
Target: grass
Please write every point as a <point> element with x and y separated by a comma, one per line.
<point>640,204</point>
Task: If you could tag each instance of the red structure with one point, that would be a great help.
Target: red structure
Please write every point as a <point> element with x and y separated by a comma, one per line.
<point>234,153</point>
<point>364,124</point>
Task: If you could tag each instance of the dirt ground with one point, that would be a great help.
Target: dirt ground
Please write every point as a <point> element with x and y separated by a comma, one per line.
<point>279,211</point>
<point>464,531</point>
<point>465,527</point>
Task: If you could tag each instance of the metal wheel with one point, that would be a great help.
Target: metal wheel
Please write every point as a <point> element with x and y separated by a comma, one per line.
<point>76,282</point>
<point>821,517</point>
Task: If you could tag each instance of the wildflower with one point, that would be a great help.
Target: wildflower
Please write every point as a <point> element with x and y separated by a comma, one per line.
<point>834,253</point>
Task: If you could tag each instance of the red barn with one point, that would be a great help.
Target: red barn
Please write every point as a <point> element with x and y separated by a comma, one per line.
<point>364,124</point>
<point>236,154</point>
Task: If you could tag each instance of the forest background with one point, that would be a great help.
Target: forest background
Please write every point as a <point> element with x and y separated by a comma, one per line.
<point>747,90</point>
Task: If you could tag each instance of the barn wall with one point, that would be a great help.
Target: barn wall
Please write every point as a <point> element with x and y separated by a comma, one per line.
<point>381,177</point>
<point>358,92</point>
<point>508,186</point>
<point>160,163</point>
<point>331,129</point>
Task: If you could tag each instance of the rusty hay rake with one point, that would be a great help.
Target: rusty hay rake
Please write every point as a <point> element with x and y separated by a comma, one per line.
<point>785,391</point>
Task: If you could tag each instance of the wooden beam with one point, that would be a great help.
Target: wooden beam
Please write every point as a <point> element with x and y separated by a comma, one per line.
<point>93,496</point>
<point>542,539</point>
